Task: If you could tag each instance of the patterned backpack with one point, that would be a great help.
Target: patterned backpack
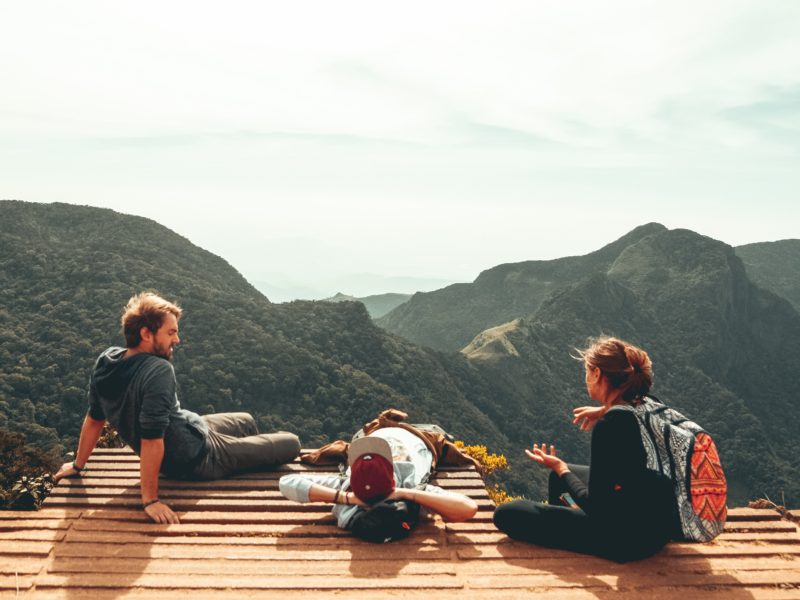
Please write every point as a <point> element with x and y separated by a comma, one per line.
<point>687,455</point>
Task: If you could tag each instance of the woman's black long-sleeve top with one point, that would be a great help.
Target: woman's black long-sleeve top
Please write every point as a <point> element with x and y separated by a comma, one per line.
<point>624,499</point>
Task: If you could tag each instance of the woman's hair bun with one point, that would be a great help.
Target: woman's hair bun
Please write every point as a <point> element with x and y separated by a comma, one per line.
<point>627,367</point>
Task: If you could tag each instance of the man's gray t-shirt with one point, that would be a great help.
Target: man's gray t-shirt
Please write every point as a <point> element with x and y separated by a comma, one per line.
<point>138,396</point>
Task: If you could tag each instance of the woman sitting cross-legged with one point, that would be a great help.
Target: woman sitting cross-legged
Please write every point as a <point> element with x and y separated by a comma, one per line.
<point>634,497</point>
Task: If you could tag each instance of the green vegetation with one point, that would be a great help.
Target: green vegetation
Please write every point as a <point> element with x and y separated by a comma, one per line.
<point>722,347</point>
<point>24,472</point>
<point>317,368</point>
<point>377,305</point>
<point>775,266</point>
<point>449,318</point>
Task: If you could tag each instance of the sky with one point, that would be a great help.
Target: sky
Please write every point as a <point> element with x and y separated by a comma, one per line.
<point>368,147</point>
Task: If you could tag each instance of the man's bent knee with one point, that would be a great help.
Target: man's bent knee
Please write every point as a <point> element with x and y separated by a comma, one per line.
<point>248,423</point>
<point>285,445</point>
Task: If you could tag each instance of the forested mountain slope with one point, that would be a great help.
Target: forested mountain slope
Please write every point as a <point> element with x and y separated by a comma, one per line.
<point>722,346</point>
<point>449,318</point>
<point>723,351</point>
<point>377,305</point>
<point>775,266</point>
<point>318,368</point>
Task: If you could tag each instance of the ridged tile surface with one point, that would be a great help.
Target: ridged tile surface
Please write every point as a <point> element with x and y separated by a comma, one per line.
<point>239,538</point>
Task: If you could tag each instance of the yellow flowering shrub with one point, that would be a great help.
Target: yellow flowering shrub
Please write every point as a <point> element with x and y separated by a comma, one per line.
<point>498,495</point>
<point>490,463</point>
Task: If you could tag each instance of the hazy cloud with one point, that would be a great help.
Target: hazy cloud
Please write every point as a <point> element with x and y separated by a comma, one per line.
<point>423,139</point>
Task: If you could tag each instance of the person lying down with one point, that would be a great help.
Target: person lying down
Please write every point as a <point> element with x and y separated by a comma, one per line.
<point>384,491</point>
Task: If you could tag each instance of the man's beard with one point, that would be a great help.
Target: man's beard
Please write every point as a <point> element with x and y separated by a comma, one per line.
<point>163,351</point>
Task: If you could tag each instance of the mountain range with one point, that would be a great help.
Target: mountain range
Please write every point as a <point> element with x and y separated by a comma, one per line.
<point>321,369</point>
<point>494,368</point>
<point>377,305</point>
<point>719,342</point>
<point>775,266</point>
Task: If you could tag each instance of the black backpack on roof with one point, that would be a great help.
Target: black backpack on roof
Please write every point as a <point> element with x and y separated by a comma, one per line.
<point>391,520</point>
<point>385,521</point>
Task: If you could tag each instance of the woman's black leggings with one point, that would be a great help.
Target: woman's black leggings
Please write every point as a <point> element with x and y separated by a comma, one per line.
<point>557,526</point>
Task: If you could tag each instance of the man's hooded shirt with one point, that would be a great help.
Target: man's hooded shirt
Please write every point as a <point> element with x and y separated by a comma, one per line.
<point>138,396</point>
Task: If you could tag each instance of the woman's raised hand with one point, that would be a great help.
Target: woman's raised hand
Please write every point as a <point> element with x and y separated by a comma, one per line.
<point>547,459</point>
<point>586,417</point>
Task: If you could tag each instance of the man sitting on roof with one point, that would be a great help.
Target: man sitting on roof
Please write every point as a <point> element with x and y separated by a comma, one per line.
<point>134,388</point>
<point>387,468</point>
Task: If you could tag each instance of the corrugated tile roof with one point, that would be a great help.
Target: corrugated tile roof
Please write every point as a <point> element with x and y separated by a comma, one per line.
<point>239,538</point>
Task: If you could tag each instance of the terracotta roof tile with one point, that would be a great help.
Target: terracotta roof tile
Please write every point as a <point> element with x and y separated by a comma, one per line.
<point>239,538</point>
